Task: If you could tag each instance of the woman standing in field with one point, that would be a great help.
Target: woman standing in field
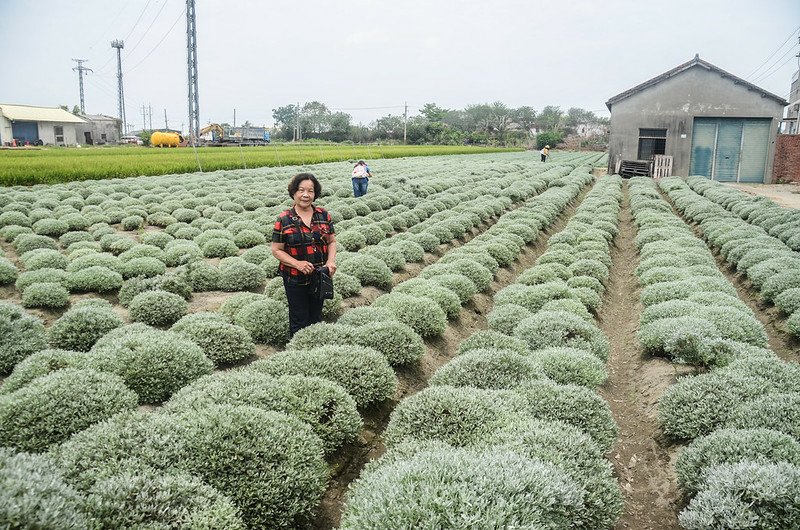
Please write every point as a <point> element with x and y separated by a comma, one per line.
<point>303,241</point>
<point>361,175</point>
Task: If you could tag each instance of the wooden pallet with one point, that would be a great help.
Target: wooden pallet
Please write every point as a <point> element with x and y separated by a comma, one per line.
<point>634,168</point>
<point>662,166</point>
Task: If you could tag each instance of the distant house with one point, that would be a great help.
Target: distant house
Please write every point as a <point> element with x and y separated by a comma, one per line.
<point>98,129</point>
<point>704,120</point>
<point>30,125</point>
<point>589,129</point>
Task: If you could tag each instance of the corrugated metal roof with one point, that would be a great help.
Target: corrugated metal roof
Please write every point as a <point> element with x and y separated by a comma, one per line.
<point>31,113</point>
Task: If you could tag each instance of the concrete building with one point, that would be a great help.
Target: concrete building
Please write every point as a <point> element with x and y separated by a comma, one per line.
<point>791,124</point>
<point>98,129</point>
<point>30,125</point>
<point>708,121</point>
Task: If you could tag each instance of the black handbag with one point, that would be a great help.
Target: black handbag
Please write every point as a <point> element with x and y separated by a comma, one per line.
<point>322,284</point>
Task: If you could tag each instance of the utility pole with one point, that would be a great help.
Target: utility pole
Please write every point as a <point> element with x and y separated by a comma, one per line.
<point>234,117</point>
<point>118,44</point>
<point>150,115</point>
<point>81,69</point>
<point>297,122</point>
<point>191,51</point>
<point>166,123</point>
<point>405,122</point>
<point>797,122</point>
<point>144,117</point>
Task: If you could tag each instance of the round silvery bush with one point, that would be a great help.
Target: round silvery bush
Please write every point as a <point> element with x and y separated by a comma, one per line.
<point>181,254</point>
<point>266,320</point>
<point>47,295</point>
<point>324,405</point>
<point>95,278</point>
<point>730,446</point>
<point>422,314</point>
<point>532,297</point>
<point>458,416</point>
<point>132,222</point>
<point>493,369</point>
<point>41,363</point>
<point>548,329</point>
<point>788,301</point>
<point>572,404</point>
<point>51,408</point>
<point>478,274</point>
<point>141,251</point>
<point>396,341</point>
<point>79,328</point>
<point>50,227</point>
<point>684,338</point>
<point>505,318</point>
<point>363,372</point>
<point>412,251</point>
<point>492,340</point>
<point>202,276</point>
<point>778,283</point>
<point>392,257</point>
<point>146,267</point>
<point>219,248</point>
<point>574,452</point>
<point>444,297</point>
<point>362,315</point>
<point>172,283</point>
<point>8,272</point>
<point>746,494</point>
<point>40,276</point>
<point>369,270</point>
<point>698,405</point>
<point>145,496</point>
<point>222,342</point>
<point>472,252</point>
<point>571,366</point>
<point>779,412</point>
<point>570,305</point>
<point>793,324</point>
<point>346,285</point>
<point>153,363</point>
<point>157,308</point>
<point>462,286</point>
<point>436,488</point>
<point>41,258</point>
<point>27,242</point>
<point>22,334</point>
<point>231,306</point>
<point>543,273</point>
<point>320,334</point>
<point>235,274</point>
<point>101,259</point>
<point>33,494</point>
<point>249,238</point>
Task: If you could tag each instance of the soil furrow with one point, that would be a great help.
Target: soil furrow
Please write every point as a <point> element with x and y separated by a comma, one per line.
<point>642,459</point>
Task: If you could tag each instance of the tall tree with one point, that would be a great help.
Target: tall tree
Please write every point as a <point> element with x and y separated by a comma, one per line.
<point>285,119</point>
<point>550,119</point>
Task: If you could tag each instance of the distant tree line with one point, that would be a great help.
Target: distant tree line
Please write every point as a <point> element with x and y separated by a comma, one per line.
<point>480,124</point>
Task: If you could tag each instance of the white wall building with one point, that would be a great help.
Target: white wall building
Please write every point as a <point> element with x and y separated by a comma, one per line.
<point>30,125</point>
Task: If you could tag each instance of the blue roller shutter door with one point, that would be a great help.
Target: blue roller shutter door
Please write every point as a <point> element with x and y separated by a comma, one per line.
<point>755,146</point>
<point>25,131</point>
<point>729,144</point>
<point>730,149</point>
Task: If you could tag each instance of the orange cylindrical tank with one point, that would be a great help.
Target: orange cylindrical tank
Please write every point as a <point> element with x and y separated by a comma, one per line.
<point>165,139</point>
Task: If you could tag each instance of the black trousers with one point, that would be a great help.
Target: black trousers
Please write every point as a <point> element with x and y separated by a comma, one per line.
<point>304,308</point>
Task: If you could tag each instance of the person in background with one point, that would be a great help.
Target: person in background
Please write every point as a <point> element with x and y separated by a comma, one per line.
<point>545,152</point>
<point>361,175</point>
<point>303,241</point>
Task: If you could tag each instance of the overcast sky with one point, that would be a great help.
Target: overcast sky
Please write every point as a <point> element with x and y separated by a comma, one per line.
<point>367,57</point>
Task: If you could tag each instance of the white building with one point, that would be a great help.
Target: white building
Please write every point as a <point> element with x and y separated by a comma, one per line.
<point>30,125</point>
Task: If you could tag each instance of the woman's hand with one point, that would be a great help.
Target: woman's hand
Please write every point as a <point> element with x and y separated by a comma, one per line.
<point>331,268</point>
<point>305,267</point>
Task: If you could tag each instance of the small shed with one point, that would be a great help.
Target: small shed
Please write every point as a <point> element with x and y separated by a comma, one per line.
<point>696,119</point>
<point>30,125</point>
<point>98,129</point>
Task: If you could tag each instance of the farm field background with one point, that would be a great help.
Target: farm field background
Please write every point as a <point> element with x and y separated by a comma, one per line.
<point>525,326</point>
<point>50,166</point>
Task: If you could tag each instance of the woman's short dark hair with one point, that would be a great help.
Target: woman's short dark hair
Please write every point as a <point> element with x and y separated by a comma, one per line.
<point>294,184</point>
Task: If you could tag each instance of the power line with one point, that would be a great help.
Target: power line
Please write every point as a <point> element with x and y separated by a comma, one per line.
<point>772,69</point>
<point>163,5</point>
<point>137,20</point>
<point>160,41</point>
<point>773,53</point>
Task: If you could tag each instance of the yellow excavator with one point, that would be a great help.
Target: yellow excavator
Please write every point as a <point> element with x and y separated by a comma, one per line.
<point>217,133</point>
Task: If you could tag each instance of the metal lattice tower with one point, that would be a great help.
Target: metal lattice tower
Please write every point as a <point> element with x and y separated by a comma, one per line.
<point>81,69</point>
<point>118,44</point>
<point>191,49</point>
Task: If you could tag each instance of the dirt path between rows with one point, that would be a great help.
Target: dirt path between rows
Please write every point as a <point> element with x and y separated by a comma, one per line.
<point>643,460</point>
<point>347,463</point>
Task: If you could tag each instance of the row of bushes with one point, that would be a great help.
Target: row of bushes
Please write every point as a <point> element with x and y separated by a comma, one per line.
<point>504,436</point>
<point>739,468</point>
<point>766,258</point>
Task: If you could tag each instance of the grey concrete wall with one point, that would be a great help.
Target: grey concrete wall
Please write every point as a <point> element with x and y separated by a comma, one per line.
<point>673,103</point>
<point>98,128</point>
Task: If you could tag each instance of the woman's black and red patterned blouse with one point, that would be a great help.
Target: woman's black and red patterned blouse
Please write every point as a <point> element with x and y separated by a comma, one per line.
<point>306,244</point>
